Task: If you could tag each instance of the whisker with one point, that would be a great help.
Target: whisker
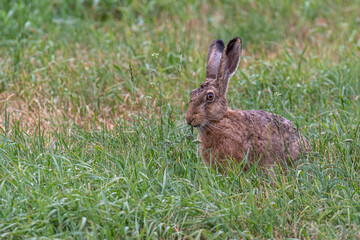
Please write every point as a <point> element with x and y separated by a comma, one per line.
<point>206,126</point>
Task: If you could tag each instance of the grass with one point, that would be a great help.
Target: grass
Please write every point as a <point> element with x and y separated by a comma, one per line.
<point>92,99</point>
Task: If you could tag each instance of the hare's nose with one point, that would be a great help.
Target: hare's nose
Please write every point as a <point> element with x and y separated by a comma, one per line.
<point>189,119</point>
<point>189,123</point>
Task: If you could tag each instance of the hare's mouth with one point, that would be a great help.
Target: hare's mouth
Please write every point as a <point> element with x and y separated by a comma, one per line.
<point>195,120</point>
<point>194,123</point>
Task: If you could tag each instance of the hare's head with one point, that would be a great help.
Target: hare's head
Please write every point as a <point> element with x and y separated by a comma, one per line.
<point>208,102</point>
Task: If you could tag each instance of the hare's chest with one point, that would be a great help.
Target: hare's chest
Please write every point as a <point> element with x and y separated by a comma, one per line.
<point>218,146</point>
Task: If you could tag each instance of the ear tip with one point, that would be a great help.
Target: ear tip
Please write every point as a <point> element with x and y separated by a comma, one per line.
<point>219,43</point>
<point>238,40</point>
<point>234,43</point>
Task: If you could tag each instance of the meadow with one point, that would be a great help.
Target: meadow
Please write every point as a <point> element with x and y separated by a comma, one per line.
<point>93,141</point>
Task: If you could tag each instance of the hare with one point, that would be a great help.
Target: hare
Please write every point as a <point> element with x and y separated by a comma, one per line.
<point>255,135</point>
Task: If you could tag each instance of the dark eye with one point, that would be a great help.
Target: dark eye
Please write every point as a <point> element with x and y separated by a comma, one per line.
<point>210,97</point>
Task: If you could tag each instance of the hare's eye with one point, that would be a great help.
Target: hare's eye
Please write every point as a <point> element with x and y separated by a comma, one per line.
<point>210,97</point>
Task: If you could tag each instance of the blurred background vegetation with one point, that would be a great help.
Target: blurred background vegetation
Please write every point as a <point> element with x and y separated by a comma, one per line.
<point>76,55</point>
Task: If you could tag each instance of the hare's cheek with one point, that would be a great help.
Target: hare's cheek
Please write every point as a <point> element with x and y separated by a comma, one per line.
<point>199,119</point>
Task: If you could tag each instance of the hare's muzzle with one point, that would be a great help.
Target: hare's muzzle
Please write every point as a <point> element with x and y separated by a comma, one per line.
<point>189,118</point>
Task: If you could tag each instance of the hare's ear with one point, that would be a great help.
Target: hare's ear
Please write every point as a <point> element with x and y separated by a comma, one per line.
<point>213,58</point>
<point>229,63</point>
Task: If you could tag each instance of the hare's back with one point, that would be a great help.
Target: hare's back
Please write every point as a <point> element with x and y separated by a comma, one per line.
<point>258,125</point>
<point>270,133</point>
<point>271,121</point>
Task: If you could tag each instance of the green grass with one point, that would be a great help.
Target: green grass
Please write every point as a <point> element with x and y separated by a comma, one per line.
<point>93,143</point>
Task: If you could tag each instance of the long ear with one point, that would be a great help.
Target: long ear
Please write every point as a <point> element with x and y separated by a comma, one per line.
<point>213,58</point>
<point>229,63</point>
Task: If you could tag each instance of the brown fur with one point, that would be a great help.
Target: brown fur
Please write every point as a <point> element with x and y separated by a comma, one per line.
<point>227,134</point>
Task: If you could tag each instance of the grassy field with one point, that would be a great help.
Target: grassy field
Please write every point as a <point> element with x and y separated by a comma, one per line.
<point>93,142</point>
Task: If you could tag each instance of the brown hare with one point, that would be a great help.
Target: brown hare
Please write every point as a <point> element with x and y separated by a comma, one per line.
<point>238,135</point>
